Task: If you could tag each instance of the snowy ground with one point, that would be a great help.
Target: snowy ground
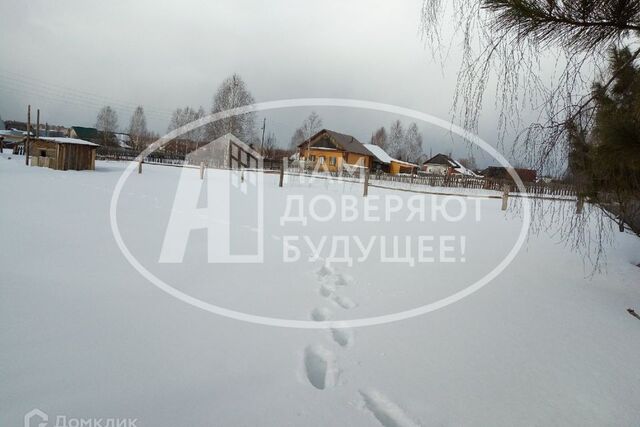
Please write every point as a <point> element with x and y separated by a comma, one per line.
<point>84,335</point>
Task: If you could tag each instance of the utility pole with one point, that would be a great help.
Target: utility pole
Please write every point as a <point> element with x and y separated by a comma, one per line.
<point>38,125</point>
<point>26,143</point>
<point>264,125</point>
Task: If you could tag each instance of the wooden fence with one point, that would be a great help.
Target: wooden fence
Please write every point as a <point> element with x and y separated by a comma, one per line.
<point>119,154</point>
<point>531,188</point>
<point>534,189</point>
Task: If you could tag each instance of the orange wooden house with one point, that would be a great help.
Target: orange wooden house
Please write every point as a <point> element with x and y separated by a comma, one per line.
<point>331,150</point>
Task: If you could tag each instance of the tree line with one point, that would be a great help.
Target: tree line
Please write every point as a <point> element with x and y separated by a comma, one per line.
<point>232,93</point>
<point>398,142</point>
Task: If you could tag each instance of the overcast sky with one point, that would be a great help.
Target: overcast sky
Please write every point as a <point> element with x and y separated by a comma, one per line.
<point>70,57</point>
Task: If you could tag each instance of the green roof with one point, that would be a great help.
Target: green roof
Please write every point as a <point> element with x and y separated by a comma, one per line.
<point>85,133</point>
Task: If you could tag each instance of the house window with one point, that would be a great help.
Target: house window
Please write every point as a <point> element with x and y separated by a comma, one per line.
<point>312,158</point>
<point>332,161</point>
<point>43,153</point>
<point>321,160</point>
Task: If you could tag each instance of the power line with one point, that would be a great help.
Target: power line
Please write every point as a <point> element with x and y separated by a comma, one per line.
<point>51,87</point>
<point>64,97</point>
<point>84,104</point>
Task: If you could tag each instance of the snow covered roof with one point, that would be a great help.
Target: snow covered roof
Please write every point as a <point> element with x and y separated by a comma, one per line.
<point>378,153</point>
<point>123,140</point>
<point>402,162</point>
<point>12,132</point>
<point>443,159</point>
<point>463,170</point>
<point>383,157</point>
<point>61,140</point>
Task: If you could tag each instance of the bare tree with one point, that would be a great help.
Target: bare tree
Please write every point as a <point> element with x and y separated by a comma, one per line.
<point>107,124</point>
<point>469,163</point>
<point>296,139</point>
<point>182,117</point>
<point>310,127</point>
<point>138,127</point>
<point>233,93</point>
<point>396,139</point>
<point>379,138</point>
<point>412,149</point>
<point>269,147</point>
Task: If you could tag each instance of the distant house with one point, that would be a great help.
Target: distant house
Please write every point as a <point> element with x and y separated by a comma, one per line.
<point>123,139</point>
<point>441,164</point>
<point>84,133</point>
<point>15,124</point>
<point>385,163</point>
<point>499,172</point>
<point>62,153</point>
<point>225,152</point>
<point>45,128</point>
<point>332,150</point>
<point>11,138</point>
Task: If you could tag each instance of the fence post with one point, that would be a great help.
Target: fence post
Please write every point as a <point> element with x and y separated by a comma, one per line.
<point>366,182</point>
<point>201,170</point>
<point>580,205</point>
<point>26,143</point>
<point>282,172</point>
<point>505,196</point>
<point>140,166</point>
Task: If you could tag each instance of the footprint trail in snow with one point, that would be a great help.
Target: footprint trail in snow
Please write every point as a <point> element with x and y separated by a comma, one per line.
<point>320,364</point>
<point>386,412</point>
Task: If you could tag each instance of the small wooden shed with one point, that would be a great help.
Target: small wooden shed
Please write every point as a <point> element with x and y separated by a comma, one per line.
<point>62,153</point>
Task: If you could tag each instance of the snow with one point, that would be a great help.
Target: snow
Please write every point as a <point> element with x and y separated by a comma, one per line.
<point>461,169</point>
<point>84,335</point>
<point>62,140</point>
<point>379,153</point>
<point>124,140</point>
<point>382,155</point>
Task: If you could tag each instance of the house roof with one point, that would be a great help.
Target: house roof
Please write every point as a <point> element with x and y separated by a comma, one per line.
<point>402,162</point>
<point>379,153</point>
<point>346,142</point>
<point>74,141</point>
<point>85,133</point>
<point>443,159</point>
<point>12,132</point>
<point>383,157</point>
<point>222,142</point>
<point>123,139</point>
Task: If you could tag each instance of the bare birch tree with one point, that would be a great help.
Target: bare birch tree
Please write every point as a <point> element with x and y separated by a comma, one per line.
<point>412,149</point>
<point>396,139</point>
<point>233,93</point>
<point>311,125</point>
<point>107,124</point>
<point>138,127</point>
<point>379,138</point>
<point>269,147</point>
<point>296,139</point>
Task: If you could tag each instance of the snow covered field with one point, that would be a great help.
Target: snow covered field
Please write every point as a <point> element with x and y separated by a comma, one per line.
<point>84,335</point>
